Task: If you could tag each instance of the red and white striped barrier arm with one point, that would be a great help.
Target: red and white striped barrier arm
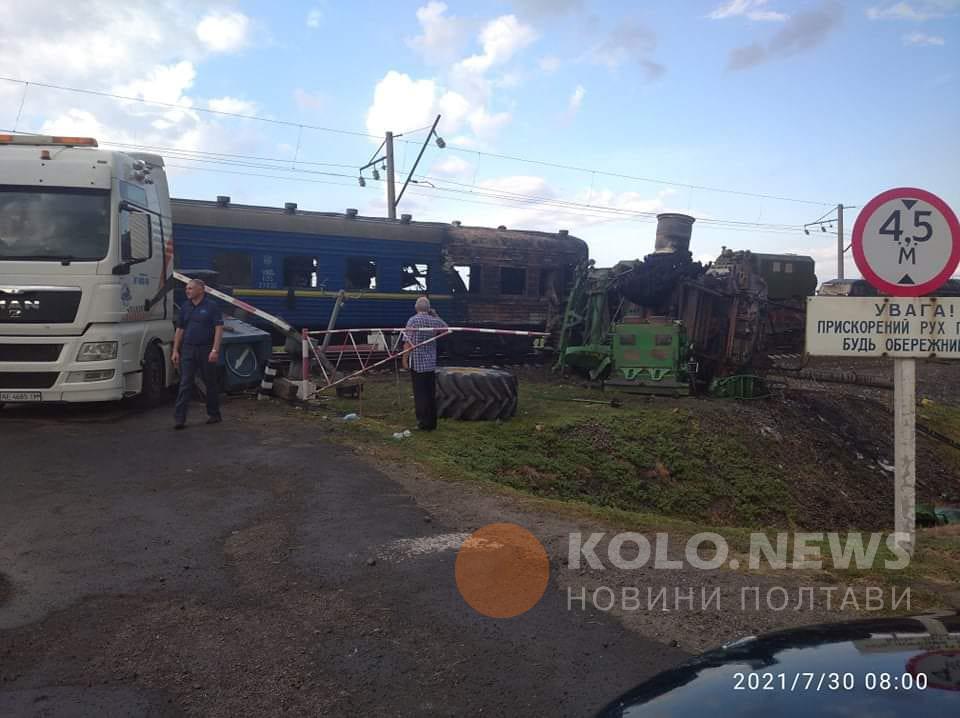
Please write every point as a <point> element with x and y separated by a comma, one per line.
<point>249,308</point>
<point>509,332</point>
<point>390,357</point>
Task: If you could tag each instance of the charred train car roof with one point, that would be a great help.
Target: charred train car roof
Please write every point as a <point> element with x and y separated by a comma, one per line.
<point>276,219</point>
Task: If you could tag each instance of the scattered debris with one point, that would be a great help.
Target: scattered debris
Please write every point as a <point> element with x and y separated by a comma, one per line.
<point>351,417</point>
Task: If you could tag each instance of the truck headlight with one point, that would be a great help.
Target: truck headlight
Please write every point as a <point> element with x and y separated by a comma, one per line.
<point>97,351</point>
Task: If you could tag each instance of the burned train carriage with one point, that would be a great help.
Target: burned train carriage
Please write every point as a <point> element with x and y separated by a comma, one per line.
<point>293,263</point>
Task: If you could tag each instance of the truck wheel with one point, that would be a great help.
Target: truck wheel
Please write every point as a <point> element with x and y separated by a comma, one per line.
<point>153,391</point>
<point>476,394</point>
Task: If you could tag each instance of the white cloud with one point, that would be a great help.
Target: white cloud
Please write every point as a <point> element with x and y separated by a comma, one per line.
<point>802,32</point>
<point>442,37</point>
<point>314,18</point>
<point>400,102</point>
<point>538,205</point>
<point>140,49</point>
<point>915,11</point>
<point>919,38</point>
<point>223,31</point>
<point>464,94</point>
<point>71,42</point>
<point>455,108</point>
<point>509,81</point>
<point>164,83</point>
<point>74,122</point>
<point>453,167</point>
<point>628,42</point>
<point>549,63</point>
<point>308,100</point>
<point>530,185</point>
<point>232,105</point>
<point>576,99</point>
<point>751,9</point>
<point>501,39</point>
<point>542,9</point>
<point>485,125</point>
<point>467,143</point>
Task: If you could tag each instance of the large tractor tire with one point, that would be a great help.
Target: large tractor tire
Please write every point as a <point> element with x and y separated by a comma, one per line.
<point>476,394</point>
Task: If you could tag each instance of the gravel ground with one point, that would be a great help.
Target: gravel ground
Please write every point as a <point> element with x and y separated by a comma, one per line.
<point>251,568</point>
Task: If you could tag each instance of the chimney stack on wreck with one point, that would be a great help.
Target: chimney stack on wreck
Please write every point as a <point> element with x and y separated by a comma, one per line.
<point>673,233</point>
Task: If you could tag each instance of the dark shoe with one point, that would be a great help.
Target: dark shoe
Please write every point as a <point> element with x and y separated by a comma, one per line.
<point>178,426</point>
<point>214,419</point>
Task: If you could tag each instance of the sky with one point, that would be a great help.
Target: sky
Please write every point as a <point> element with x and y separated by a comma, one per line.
<point>754,116</point>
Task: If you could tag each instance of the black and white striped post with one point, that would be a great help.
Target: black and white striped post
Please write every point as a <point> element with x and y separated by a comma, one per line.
<point>266,384</point>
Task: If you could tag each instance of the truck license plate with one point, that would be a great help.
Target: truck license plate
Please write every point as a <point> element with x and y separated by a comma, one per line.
<point>18,396</point>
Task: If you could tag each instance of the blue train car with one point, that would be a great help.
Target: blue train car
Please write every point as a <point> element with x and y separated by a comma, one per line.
<point>292,263</point>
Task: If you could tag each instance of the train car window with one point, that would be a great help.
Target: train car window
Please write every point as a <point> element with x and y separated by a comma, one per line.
<point>776,266</point>
<point>513,280</point>
<point>467,278</point>
<point>788,267</point>
<point>361,273</point>
<point>300,272</point>
<point>235,268</point>
<point>550,284</point>
<point>413,277</point>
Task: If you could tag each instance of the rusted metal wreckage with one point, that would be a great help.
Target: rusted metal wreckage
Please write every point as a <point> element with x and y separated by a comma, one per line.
<point>669,324</point>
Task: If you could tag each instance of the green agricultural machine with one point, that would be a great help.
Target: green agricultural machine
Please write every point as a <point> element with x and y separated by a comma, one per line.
<point>634,354</point>
<point>666,324</point>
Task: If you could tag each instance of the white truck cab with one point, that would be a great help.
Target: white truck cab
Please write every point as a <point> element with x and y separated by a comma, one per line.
<point>86,262</point>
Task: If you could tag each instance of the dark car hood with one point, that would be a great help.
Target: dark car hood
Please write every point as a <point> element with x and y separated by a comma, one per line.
<point>895,646</point>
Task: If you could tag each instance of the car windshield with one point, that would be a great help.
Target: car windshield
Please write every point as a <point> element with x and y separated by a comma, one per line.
<point>54,223</point>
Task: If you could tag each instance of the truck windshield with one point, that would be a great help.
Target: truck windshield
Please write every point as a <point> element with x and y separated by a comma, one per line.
<point>54,223</point>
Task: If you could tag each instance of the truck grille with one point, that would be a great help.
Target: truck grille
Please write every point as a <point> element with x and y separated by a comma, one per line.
<point>40,305</point>
<point>27,380</point>
<point>30,352</point>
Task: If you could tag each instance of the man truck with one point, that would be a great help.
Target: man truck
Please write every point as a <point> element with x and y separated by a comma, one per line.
<point>86,263</point>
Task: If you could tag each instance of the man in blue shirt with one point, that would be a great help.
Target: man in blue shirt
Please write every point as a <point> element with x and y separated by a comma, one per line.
<point>422,361</point>
<point>196,348</point>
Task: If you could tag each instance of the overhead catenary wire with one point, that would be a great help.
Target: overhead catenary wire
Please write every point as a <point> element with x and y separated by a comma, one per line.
<point>513,158</point>
<point>596,211</point>
<point>541,199</point>
<point>237,160</point>
<point>515,200</point>
<point>186,108</point>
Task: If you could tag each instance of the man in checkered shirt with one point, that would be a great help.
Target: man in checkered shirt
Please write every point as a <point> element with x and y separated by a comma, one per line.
<point>423,361</point>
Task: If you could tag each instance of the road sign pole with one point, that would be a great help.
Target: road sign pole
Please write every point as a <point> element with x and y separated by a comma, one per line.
<point>906,243</point>
<point>839,241</point>
<point>905,451</point>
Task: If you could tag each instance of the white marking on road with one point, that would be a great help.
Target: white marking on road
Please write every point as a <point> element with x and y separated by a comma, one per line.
<point>423,545</point>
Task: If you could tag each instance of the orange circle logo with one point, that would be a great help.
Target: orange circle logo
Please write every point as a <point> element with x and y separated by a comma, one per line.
<point>502,570</point>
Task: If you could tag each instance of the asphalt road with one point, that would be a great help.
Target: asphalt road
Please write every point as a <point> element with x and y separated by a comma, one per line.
<point>249,568</point>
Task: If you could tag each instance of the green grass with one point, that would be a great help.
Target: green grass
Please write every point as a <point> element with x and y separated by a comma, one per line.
<point>944,420</point>
<point>649,456</point>
<point>675,465</point>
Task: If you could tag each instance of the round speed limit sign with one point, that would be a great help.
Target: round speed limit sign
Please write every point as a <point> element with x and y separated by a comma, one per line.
<point>906,242</point>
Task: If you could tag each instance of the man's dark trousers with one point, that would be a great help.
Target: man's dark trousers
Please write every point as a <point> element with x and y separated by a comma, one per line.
<point>425,398</point>
<point>194,359</point>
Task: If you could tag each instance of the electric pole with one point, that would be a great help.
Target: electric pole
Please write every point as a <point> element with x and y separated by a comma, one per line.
<point>391,186</point>
<point>388,160</point>
<point>822,224</point>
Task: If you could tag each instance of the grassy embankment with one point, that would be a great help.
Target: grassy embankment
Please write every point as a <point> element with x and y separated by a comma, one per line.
<point>651,464</point>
